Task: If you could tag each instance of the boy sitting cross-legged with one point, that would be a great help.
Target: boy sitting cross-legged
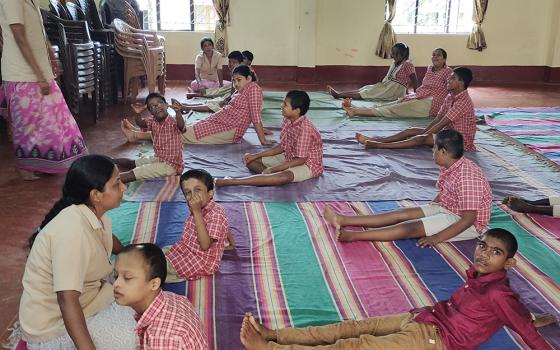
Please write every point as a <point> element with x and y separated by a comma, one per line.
<point>460,211</point>
<point>168,148</point>
<point>473,314</point>
<point>201,246</point>
<point>298,157</point>
<point>166,321</point>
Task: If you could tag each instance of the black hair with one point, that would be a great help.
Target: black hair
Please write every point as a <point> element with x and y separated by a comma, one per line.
<point>245,71</point>
<point>236,55</point>
<point>464,74</point>
<point>299,99</point>
<point>85,174</point>
<point>199,174</point>
<point>506,237</point>
<point>205,39</point>
<point>154,95</point>
<point>443,52</point>
<point>452,141</point>
<point>248,55</point>
<point>403,50</point>
<point>154,258</point>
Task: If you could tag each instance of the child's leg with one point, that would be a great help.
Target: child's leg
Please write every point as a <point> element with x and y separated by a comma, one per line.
<point>148,168</point>
<point>403,230</point>
<point>133,135</point>
<point>256,166</point>
<point>415,141</point>
<point>524,206</point>
<point>400,136</point>
<point>363,112</point>
<point>375,220</point>
<point>354,94</point>
<point>128,176</point>
<point>276,179</point>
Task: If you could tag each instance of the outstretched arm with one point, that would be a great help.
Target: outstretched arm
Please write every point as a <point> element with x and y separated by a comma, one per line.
<point>74,319</point>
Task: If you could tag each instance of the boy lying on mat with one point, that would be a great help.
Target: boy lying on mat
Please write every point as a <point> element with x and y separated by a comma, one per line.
<point>201,246</point>
<point>165,320</point>
<point>460,211</point>
<point>473,314</point>
<point>298,157</point>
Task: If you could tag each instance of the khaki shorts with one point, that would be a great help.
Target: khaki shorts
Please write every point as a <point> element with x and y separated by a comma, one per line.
<point>215,139</point>
<point>555,202</point>
<point>301,172</point>
<point>437,218</point>
<point>382,91</point>
<point>411,108</point>
<point>150,167</point>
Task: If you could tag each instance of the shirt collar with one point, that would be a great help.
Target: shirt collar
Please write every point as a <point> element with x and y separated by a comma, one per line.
<point>209,207</point>
<point>148,316</point>
<point>96,224</point>
<point>452,168</point>
<point>297,121</point>
<point>460,95</point>
<point>491,277</point>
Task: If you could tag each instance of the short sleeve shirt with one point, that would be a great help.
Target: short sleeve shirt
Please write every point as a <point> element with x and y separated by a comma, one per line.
<point>401,73</point>
<point>208,68</point>
<point>170,322</point>
<point>168,147</point>
<point>186,256</point>
<point>301,139</point>
<point>459,109</point>
<point>70,253</point>
<point>244,108</point>
<point>463,186</point>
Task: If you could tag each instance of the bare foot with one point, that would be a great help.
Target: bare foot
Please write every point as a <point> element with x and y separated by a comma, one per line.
<point>333,92</point>
<point>267,131</point>
<point>542,320</point>
<point>350,111</point>
<point>518,205</point>
<point>130,134</point>
<point>372,144</point>
<point>27,175</point>
<point>332,217</point>
<point>130,126</point>
<point>361,138</point>
<point>266,333</point>
<point>250,337</point>
<point>343,236</point>
<point>347,102</point>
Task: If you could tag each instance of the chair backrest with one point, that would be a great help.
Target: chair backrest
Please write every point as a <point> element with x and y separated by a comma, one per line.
<point>92,15</point>
<point>76,13</point>
<point>58,9</point>
<point>131,18</point>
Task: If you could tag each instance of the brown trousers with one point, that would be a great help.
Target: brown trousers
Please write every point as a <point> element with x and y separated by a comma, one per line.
<point>387,333</point>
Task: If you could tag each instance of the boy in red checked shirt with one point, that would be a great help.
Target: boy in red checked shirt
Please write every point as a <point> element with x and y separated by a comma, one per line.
<point>168,148</point>
<point>201,246</point>
<point>473,314</point>
<point>298,157</point>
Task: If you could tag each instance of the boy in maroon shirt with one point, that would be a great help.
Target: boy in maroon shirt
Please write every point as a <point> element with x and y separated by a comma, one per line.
<point>474,313</point>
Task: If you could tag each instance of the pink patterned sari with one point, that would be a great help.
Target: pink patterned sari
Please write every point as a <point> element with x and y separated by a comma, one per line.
<point>45,135</point>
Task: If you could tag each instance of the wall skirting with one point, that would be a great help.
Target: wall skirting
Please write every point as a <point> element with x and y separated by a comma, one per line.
<point>370,74</point>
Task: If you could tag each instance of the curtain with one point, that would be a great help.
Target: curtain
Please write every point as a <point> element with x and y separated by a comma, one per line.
<point>387,37</point>
<point>476,38</point>
<point>220,33</point>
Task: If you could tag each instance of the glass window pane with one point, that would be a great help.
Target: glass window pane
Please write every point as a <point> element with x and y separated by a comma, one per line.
<point>404,17</point>
<point>433,16</point>
<point>175,14</point>
<point>205,16</point>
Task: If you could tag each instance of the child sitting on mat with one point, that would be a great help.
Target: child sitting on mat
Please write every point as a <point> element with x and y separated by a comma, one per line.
<point>460,211</point>
<point>229,124</point>
<point>165,320</point>
<point>298,157</point>
<point>427,100</point>
<point>401,74</point>
<point>471,316</point>
<point>456,113</point>
<point>201,246</point>
<point>168,149</point>
<point>547,206</point>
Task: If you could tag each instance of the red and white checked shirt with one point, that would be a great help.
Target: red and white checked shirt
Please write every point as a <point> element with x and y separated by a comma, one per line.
<point>402,75</point>
<point>433,85</point>
<point>166,138</point>
<point>243,109</point>
<point>459,109</point>
<point>463,186</point>
<point>187,257</point>
<point>170,323</point>
<point>301,139</point>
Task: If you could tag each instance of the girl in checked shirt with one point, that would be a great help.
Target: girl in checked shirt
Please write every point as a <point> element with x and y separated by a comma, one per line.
<point>401,74</point>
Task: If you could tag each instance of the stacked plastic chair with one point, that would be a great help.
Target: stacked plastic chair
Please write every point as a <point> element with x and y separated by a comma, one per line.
<point>144,55</point>
<point>81,60</point>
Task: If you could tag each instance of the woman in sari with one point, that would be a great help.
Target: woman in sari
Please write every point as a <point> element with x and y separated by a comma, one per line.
<point>45,135</point>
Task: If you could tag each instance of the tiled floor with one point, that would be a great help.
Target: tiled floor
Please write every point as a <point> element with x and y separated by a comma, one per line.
<point>24,204</point>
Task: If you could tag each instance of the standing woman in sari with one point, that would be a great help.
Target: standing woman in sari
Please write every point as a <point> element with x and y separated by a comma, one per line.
<point>45,135</point>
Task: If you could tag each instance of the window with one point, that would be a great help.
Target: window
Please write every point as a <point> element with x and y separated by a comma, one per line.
<point>433,16</point>
<point>191,15</point>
